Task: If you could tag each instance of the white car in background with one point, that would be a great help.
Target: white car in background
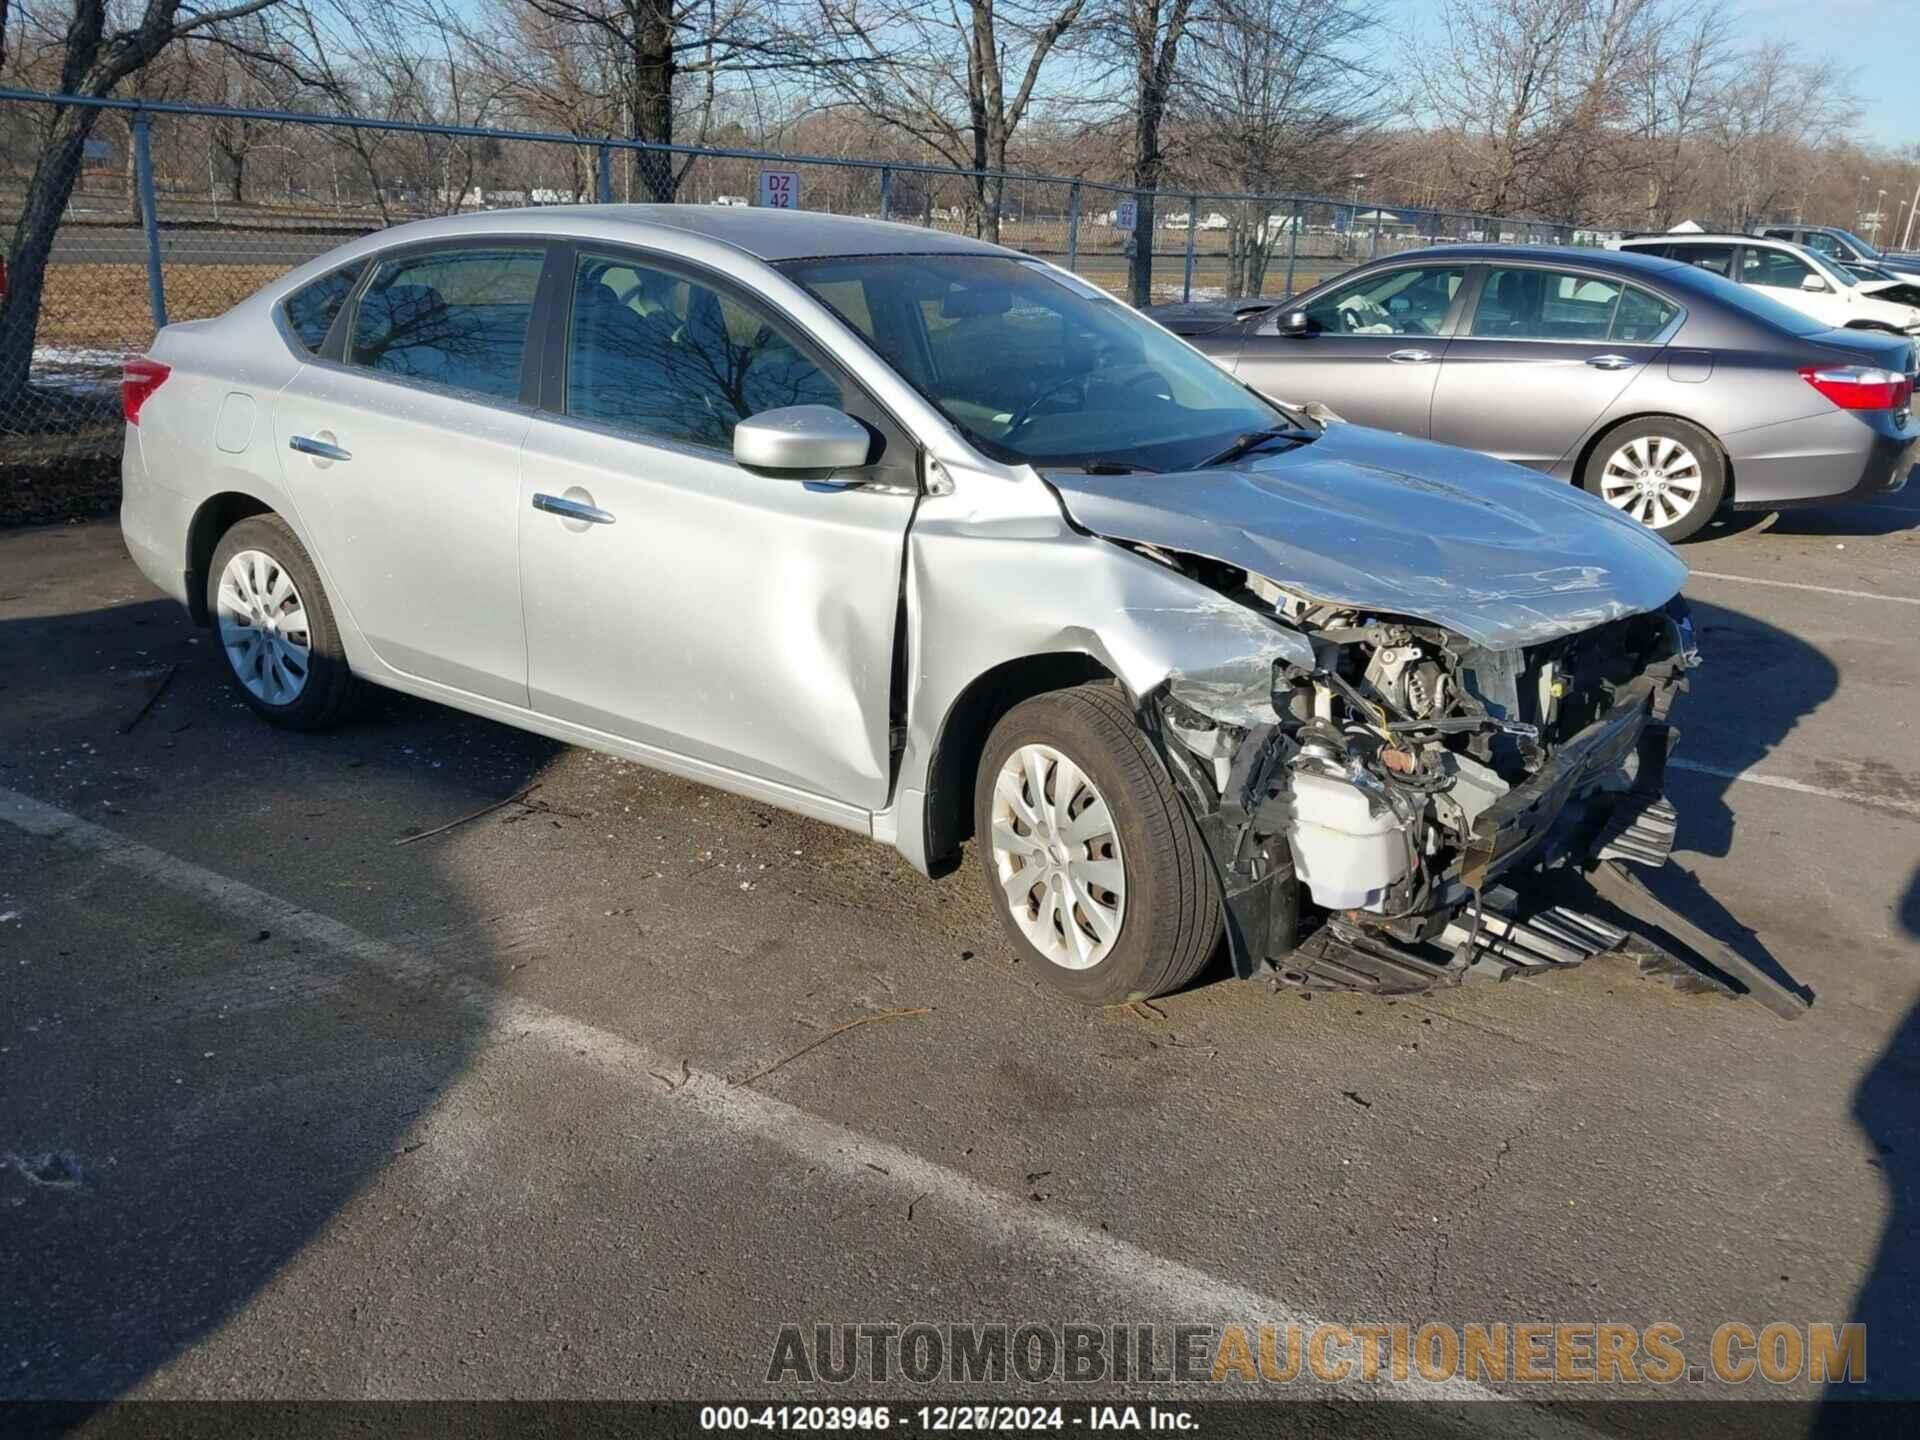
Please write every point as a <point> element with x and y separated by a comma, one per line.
<point>1794,276</point>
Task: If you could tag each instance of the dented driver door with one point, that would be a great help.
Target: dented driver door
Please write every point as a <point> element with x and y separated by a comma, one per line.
<point>676,600</point>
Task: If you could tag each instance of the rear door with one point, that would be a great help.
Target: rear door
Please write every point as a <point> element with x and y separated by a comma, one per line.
<point>401,448</point>
<point>1546,350</point>
<point>1373,348</point>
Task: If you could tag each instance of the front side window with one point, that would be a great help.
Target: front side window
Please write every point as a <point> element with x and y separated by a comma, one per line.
<point>1820,243</point>
<point>1039,367</point>
<point>1413,301</point>
<point>667,357</point>
<point>1528,304</point>
<point>454,317</point>
<point>1775,268</point>
<point>311,309</point>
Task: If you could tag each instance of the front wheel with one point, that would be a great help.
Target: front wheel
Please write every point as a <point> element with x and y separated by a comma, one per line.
<point>1665,473</point>
<point>1095,867</point>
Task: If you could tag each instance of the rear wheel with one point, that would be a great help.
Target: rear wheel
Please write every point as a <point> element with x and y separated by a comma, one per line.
<point>275,627</point>
<point>1665,473</point>
<point>1094,865</point>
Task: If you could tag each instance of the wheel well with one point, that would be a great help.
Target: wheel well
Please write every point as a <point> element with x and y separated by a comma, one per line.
<point>217,515</point>
<point>1586,451</point>
<point>963,737</point>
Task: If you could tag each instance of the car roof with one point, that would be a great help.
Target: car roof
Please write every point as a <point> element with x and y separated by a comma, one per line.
<point>770,235</point>
<point>1711,237</point>
<point>1582,255</point>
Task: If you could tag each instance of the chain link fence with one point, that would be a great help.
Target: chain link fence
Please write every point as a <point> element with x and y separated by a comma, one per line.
<point>177,212</point>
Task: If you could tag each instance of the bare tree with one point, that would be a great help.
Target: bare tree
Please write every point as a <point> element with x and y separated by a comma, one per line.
<point>940,76</point>
<point>1279,95</point>
<point>1673,88</point>
<point>1148,35</point>
<point>94,58</point>
<point>1770,121</point>
<point>653,45</point>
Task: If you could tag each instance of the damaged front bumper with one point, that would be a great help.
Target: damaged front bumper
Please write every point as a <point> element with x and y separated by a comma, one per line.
<point>1338,877</point>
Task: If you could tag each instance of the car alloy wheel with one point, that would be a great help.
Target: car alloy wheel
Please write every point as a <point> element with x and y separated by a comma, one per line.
<point>1655,479</point>
<point>1056,853</point>
<point>263,625</point>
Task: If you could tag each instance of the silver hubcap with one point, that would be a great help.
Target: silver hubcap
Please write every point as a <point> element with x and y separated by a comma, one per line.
<point>1655,479</point>
<point>1057,854</point>
<point>263,625</point>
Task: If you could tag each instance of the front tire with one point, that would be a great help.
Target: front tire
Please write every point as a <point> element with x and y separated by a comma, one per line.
<point>1094,865</point>
<point>275,627</point>
<point>1666,473</point>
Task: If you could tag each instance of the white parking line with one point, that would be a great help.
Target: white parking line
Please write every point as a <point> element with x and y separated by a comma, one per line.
<point>1797,585</point>
<point>1141,1281</point>
<point>1799,787</point>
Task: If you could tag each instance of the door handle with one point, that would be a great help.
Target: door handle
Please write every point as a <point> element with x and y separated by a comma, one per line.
<point>572,509</point>
<point>319,449</point>
<point>1609,362</point>
<point>1410,357</point>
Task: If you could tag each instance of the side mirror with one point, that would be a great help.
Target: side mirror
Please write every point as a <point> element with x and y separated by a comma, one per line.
<point>1815,285</point>
<point>1294,323</point>
<point>801,442</point>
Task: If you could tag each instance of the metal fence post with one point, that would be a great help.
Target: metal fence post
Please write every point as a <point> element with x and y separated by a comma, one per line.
<point>886,192</point>
<point>1293,246</point>
<point>1193,219</point>
<point>149,218</point>
<point>1373,247</point>
<point>1073,226</point>
<point>603,176</point>
<point>1140,269</point>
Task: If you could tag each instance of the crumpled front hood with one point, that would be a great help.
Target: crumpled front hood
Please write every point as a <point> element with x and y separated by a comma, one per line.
<point>1500,554</point>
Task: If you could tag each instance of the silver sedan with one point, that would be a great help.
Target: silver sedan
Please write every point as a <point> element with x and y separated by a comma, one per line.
<point>930,540</point>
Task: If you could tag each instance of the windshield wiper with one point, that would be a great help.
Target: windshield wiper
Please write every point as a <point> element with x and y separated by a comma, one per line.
<point>1253,440</point>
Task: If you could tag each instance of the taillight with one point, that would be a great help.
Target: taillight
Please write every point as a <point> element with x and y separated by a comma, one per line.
<point>1859,387</point>
<point>139,380</point>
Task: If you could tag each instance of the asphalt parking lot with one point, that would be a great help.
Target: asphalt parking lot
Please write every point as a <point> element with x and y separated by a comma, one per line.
<point>289,1108</point>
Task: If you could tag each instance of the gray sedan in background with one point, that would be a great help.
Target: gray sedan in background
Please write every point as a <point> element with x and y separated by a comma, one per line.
<point>1662,388</point>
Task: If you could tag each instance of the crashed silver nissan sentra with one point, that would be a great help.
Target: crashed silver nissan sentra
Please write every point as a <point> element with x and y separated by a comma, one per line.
<point>931,540</point>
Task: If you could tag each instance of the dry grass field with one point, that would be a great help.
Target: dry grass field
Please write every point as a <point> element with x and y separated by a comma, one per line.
<point>103,306</point>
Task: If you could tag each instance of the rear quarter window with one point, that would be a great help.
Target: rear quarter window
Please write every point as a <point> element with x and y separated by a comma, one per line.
<point>311,309</point>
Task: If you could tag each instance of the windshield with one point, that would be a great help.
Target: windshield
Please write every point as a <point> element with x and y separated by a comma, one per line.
<point>1038,367</point>
<point>1866,251</point>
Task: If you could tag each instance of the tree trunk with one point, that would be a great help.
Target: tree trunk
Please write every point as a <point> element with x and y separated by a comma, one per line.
<point>651,95</point>
<point>54,175</point>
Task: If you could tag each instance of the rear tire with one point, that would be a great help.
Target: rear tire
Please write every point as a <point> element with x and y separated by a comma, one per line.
<point>275,628</point>
<point>1094,857</point>
<point>1668,474</point>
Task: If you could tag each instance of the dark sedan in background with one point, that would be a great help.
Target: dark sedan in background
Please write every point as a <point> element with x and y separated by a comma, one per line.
<point>1663,388</point>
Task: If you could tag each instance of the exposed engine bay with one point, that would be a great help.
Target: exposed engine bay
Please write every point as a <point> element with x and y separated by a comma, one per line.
<point>1398,771</point>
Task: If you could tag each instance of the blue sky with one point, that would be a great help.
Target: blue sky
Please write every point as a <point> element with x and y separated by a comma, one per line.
<point>1878,39</point>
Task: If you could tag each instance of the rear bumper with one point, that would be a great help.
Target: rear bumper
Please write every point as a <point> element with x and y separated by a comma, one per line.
<point>1822,460</point>
<point>153,522</point>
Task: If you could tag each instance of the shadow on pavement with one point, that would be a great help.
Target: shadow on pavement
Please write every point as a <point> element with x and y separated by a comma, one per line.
<point>1865,519</point>
<point>1755,685</point>
<point>1888,1302</point>
<point>187,1098</point>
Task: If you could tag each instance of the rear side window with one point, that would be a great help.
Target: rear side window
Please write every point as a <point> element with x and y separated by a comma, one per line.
<point>1717,258</point>
<point>1530,304</point>
<point>455,317</point>
<point>311,309</point>
<point>1641,317</point>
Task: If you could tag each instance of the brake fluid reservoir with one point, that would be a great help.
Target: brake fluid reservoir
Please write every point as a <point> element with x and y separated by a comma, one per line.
<point>1346,849</point>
